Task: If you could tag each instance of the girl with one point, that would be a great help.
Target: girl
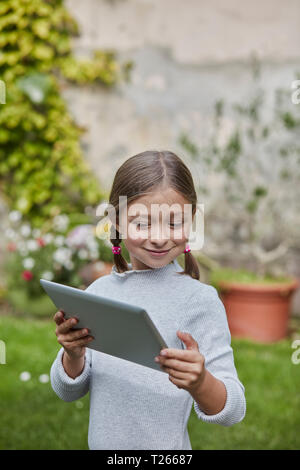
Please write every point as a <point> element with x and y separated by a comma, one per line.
<point>137,407</point>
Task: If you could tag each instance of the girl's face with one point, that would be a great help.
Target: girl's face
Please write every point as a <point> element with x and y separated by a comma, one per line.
<point>155,223</point>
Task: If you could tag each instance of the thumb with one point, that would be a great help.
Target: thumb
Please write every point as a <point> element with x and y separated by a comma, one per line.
<point>188,340</point>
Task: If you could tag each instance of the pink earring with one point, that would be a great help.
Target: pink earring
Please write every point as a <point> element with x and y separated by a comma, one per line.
<point>187,249</point>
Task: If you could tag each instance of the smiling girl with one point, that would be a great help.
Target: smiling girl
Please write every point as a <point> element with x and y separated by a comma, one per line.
<point>137,407</point>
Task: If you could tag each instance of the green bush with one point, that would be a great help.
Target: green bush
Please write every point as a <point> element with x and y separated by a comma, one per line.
<point>243,276</point>
<point>42,170</point>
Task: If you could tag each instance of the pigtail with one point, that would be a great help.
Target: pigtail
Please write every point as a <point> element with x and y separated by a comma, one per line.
<point>119,260</point>
<point>191,266</point>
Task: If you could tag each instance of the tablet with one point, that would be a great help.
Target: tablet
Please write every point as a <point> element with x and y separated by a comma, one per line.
<point>119,328</point>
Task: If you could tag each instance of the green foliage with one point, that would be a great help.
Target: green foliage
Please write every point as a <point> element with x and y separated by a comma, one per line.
<point>42,171</point>
<point>231,155</point>
<point>186,142</point>
<point>243,276</point>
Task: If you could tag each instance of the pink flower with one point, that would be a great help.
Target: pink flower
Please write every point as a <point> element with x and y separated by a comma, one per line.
<point>40,241</point>
<point>77,238</point>
<point>11,246</point>
<point>27,275</point>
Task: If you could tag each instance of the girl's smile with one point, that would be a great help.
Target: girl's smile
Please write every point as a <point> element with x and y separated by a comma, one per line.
<point>157,253</point>
<point>160,252</point>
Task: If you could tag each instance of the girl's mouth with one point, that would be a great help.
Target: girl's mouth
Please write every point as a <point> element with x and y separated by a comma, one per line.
<point>158,253</point>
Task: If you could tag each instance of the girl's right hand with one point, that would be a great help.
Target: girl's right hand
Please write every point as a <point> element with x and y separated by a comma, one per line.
<point>73,341</point>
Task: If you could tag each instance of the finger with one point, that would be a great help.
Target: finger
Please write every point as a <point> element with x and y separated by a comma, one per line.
<point>188,340</point>
<point>174,373</point>
<point>79,342</point>
<point>59,317</point>
<point>178,382</point>
<point>180,366</point>
<point>74,335</point>
<point>66,325</point>
<point>189,355</point>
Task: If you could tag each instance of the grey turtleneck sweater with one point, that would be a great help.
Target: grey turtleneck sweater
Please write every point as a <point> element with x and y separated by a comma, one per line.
<point>136,407</point>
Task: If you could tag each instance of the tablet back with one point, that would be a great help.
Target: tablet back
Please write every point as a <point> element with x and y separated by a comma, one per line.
<point>119,328</point>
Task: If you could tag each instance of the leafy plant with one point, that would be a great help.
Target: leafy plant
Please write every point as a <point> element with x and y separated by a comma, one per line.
<point>243,276</point>
<point>42,170</point>
<point>251,163</point>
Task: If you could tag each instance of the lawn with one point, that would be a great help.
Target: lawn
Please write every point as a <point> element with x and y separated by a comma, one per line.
<point>33,417</point>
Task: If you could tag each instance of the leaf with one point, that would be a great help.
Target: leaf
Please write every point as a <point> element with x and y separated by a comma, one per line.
<point>36,86</point>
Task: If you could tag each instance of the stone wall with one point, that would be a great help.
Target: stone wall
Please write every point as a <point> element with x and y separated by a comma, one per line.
<point>186,56</point>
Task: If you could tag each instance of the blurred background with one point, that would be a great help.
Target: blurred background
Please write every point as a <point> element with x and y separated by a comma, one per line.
<point>86,85</point>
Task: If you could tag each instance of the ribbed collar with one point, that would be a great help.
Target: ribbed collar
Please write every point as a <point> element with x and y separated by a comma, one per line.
<point>173,266</point>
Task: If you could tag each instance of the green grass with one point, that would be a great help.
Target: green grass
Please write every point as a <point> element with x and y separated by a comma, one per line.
<point>33,417</point>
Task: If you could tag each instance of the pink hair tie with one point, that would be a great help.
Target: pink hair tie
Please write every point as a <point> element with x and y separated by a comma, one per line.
<point>187,249</point>
<point>116,250</point>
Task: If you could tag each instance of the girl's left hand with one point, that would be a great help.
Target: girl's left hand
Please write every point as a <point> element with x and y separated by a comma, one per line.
<point>186,368</point>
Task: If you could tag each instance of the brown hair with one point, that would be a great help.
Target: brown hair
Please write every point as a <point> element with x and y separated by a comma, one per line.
<point>143,173</point>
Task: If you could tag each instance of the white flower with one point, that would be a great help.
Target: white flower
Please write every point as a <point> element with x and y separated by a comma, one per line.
<point>82,253</point>
<point>10,233</point>
<point>28,263</point>
<point>25,230</point>
<point>22,248</point>
<point>79,235</point>
<point>69,265</point>
<point>32,245</point>
<point>15,216</point>
<point>36,232</point>
<point>62,255</point>
<point>59,240</point>
<point>92,244</point>
<point>44,378</point>
<point>24,376</point>
<point>48,237</point>
<point>61,222</point>
<point>48,275</point>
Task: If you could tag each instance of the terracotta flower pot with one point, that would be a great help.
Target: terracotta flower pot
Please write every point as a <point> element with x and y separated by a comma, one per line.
<point>259,312</point>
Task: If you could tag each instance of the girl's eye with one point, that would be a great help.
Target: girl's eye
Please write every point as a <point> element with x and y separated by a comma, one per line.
<point>176,225</point>
<point>140,225</point>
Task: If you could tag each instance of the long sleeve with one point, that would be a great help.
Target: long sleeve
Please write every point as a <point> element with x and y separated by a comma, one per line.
<point>209,327</point>
<point>64,386</point>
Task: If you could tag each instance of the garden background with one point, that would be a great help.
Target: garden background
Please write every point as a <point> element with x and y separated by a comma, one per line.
<point>86,85</point>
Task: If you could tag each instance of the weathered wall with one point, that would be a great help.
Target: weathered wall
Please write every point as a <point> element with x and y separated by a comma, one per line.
<point>187,55</point>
